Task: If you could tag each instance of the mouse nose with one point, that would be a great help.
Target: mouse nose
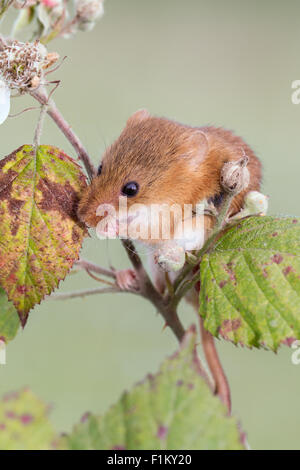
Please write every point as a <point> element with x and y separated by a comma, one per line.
<point>107,228</point>
<point>87,215</point>
<point>81,213</point>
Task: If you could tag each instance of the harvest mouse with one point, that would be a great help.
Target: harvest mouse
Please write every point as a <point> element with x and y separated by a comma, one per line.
<point>156,162</point>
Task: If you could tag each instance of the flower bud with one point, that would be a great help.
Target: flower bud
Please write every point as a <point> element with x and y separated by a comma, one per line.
<point>87,12</point>
<point>235,176</point>
<point>170,258</point>
<point>256,203</point>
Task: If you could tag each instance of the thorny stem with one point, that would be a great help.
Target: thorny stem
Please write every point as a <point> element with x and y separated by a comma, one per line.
<point>99,279</point>
<point>221,383</point>
<point>39,127</point>
<point>84,293</point>
<point>148,291</point>
<point>57,117</point>
<point>87,265</point>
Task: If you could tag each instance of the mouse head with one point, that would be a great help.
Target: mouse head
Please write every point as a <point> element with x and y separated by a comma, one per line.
<point>154,161</point>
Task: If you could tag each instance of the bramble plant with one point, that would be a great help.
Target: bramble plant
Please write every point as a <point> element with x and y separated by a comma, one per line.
<point>248,269</point>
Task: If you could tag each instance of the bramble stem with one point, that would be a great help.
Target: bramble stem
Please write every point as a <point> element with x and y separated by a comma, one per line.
<point>99,279</point>
<point>57,117</point>
<point>87,265</point>
<point>211,355</point>
<point>39,127</point>
<point>149,292</point>
<point>84,293</point>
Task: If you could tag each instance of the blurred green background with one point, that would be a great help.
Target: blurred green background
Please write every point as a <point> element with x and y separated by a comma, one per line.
<point>200,62</point>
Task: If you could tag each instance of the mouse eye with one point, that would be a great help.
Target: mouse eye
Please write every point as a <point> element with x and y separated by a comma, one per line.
<point>130,189</point>
<point>99,169</point>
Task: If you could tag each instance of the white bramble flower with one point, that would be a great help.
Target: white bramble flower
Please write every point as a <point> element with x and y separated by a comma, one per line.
<point>4,101</point>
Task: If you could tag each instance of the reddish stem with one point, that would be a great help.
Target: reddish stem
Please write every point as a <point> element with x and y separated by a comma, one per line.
<point>221,384</point>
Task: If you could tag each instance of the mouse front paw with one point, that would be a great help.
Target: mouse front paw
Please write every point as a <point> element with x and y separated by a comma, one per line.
<point>126,279</point>
<point>170,258</point>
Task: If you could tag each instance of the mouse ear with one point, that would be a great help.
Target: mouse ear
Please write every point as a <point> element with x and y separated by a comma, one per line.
<point>138,116</point>
<point>197,147</point>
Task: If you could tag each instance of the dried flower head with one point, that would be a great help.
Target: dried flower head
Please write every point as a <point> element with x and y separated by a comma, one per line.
<point>22,64</point>
<point>235,176</point>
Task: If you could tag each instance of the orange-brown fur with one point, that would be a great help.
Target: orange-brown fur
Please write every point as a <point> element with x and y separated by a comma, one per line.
<point>173,163</point>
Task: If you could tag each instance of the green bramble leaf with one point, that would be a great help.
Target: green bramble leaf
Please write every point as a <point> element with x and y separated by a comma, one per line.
<point>173,409</point>
<point>39,230</point>
<point>24,423</point>
<point>9,319</point>
<point>250,283</point>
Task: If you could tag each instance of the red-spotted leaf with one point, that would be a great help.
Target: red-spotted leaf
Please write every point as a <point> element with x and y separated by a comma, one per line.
<point>39,230</point>
<point>173,409</point>
<point>24,423</point>
<point>250,283</point>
